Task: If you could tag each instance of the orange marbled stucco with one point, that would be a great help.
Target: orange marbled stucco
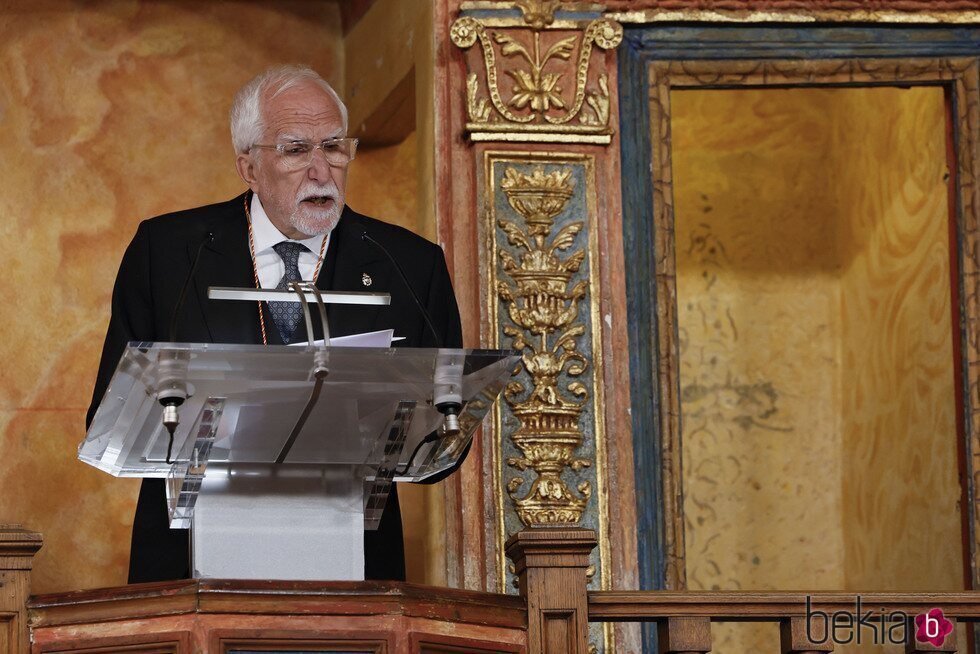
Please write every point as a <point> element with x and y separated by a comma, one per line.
<point>110,112</point>
<point>382,183</point>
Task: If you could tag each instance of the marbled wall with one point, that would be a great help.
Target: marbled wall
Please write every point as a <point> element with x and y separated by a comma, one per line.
<point>110,112</point>
<point>818,416</point>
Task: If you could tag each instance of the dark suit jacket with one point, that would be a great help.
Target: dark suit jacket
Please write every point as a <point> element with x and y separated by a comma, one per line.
<point>148,284</point>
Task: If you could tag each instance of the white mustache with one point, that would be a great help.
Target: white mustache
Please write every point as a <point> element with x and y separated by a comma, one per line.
<point>330,190</point>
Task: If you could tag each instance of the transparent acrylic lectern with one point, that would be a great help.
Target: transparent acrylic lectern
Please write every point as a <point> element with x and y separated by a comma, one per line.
<point>285,454</point>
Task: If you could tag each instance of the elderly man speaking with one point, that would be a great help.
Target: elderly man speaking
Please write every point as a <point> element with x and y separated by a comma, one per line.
<point>289,130</point>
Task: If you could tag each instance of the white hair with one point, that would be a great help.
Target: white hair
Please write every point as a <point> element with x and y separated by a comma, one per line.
<point>246,110</point>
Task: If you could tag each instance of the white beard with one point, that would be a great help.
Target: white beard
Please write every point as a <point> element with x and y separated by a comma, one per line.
<point>316,225</point>
<point>321,221</point>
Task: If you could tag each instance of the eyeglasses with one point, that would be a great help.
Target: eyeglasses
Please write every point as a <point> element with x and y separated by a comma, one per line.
<point>298,154</point>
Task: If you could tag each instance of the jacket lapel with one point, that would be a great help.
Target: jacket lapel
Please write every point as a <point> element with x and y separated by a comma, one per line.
<point>226,261</point>
<point>355,259</point>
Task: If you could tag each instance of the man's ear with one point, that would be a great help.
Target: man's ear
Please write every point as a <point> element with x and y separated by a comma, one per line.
<point>246,170</point>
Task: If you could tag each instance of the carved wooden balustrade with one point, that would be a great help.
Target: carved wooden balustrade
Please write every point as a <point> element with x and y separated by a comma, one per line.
<point>551,616</point>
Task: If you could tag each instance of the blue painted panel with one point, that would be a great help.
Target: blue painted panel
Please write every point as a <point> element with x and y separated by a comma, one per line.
<point>634,121</point>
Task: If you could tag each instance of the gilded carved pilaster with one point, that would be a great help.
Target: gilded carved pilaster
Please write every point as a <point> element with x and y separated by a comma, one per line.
<point>542,302</point>
<point>537,78</point>
<point>549,449</point>
<point>539,72</point>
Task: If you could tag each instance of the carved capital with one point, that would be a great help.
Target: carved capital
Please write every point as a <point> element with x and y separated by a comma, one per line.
<point>540,81</point>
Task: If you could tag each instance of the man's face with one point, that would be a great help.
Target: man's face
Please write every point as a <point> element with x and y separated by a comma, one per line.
<point>308,201</point>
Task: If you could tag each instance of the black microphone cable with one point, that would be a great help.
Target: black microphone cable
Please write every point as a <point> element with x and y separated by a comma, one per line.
<point>401,273</point>
<point>449,409</point>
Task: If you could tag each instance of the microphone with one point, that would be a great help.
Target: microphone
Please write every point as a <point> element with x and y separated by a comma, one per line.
<point>449,369</point>
<point>172,387</point>
<point>209,238</point>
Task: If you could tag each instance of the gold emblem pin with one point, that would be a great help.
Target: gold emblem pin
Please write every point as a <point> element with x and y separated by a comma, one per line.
<point>366,279</point>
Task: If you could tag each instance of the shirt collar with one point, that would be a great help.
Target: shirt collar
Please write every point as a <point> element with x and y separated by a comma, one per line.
<point>265,234</point>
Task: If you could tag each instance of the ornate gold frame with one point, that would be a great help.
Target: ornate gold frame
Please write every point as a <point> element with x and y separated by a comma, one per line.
<point>959,73</point>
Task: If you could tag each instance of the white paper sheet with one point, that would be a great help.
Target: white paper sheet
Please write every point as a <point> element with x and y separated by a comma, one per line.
<point>383,338</point>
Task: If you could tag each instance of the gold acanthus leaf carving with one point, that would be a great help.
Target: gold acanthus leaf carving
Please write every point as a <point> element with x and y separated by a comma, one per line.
<point>464,33</point>
<point>534,87</point>
<point>542,303</point>
<point>606,34</point>
<point>476,107</point>
<point>598,101</point>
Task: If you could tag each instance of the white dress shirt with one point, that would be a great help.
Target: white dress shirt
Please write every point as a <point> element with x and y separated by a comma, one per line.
<point>268,263</point>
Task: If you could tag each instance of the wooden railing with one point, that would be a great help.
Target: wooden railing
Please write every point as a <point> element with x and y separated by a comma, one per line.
<point>806,620</point>
<point>553,612</point>
<point>552,563</point>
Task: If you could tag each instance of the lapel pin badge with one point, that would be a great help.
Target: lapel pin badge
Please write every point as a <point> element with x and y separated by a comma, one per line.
<point>366,279</point>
